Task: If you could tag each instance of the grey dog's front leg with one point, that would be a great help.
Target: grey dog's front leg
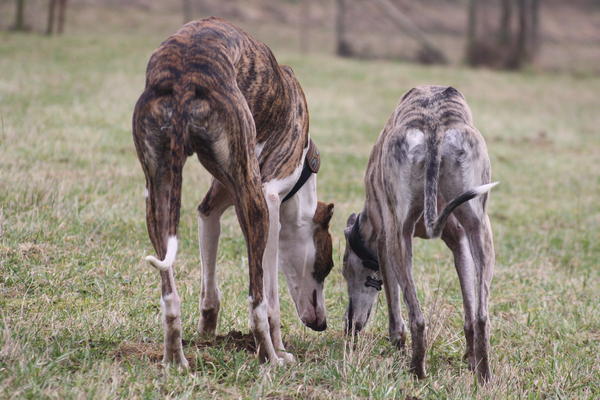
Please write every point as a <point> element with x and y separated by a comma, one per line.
<point>399,250</point>
<point>397,327</point>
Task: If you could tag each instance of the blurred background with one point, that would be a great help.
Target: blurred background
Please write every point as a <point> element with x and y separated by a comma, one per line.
<point>504,34</point>
<point>79,309</point>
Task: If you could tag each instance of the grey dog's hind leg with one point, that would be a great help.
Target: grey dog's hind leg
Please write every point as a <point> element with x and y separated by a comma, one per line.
<point>479,235</point>
<point>456,239</point>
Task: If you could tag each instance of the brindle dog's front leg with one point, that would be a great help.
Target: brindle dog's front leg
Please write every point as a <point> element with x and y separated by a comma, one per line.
<point>253,216</point>
<point>270,265</point>
<point>254,219</point>
<point>216,201</point>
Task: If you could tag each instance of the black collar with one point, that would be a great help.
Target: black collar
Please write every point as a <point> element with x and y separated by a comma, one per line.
<point>312,162</point>
<point>359,248</point>
<point>369,260</point>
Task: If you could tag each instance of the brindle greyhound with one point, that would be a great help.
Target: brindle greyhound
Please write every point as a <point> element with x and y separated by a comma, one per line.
<point>428,152</point>
<point>213,90</point>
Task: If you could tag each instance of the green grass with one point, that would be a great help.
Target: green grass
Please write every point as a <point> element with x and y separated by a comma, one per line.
<point>74,288</point>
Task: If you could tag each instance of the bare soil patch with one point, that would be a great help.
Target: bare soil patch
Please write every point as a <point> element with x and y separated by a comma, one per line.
<point>232,341</point>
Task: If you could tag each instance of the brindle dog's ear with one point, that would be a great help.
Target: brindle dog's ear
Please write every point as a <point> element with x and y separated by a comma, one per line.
<point>329,213</point>
<point>323,214</point>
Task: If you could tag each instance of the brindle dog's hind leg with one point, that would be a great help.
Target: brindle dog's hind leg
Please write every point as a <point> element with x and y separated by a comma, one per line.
<point>162,158</point>
<point>162,211</point>
<point>216,201</point>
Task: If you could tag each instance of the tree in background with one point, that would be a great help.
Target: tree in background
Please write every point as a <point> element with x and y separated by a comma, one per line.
<point>527,40</point>
<point>504,34</point>
<point>513,44</point>
<point>428,52</point>
<point>53,17</point>
<point>20,16</point>
<point>473,47</point>
<point>342,47</point>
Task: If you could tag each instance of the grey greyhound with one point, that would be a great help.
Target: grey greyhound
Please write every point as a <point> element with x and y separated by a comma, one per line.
<point>429,152</point>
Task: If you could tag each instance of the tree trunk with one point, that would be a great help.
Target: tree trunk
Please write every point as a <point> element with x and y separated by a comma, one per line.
<point>504,35</point>
<point>471,51</point>
<point>519,54</point>
<point>429,53</point>
<point>19,16</point>
<point>343,47</point>
<point>62,10</point>
<point>51,9</point>
<point>533,40</point>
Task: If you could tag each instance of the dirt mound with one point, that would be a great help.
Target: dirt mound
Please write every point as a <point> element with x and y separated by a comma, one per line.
<point>232,341</point>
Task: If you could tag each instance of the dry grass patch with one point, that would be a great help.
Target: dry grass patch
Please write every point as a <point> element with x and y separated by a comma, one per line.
<point>79,312</point>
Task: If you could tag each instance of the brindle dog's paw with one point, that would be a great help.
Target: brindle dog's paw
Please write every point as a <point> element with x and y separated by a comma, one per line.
<point>208,322</point>
<point>175,359</point>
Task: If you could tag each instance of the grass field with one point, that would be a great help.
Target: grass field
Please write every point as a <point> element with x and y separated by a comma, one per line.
<point>79,309</point>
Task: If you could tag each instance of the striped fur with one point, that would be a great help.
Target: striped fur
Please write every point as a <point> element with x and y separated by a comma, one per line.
<point>213,90</point>
<point>425,171</point>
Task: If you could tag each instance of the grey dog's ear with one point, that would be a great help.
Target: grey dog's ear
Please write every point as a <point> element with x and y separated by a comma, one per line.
<point>351,219</point>
<point>349,224</point>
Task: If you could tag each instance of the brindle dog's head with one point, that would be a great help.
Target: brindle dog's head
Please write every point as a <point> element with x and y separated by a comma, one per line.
<point>306,263</point>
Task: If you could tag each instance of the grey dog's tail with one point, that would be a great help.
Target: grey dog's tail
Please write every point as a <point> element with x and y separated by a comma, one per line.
<point>434,224</point>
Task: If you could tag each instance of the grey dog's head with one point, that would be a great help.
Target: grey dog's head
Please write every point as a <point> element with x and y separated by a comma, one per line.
<point>361,294</point>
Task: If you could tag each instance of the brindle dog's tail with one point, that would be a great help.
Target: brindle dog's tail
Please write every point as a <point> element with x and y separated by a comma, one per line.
<point>434,224</point>
<point>160,149</point>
